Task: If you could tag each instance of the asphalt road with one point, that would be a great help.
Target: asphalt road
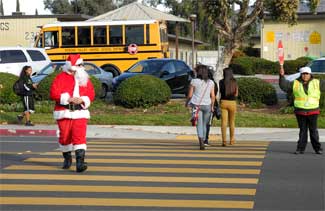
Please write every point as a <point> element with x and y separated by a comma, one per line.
<point>161,175</point>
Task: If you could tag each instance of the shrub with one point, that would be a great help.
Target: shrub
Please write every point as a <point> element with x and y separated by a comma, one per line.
<point>43,89</point>
<point>263,66</point>
<point>255,91</point>
<point>243,66</point>
<point>142,91</point>
<point>6,93</point>
<point>292,66</point>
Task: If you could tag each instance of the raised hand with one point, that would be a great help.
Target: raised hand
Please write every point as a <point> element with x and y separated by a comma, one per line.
<point>281,71</point>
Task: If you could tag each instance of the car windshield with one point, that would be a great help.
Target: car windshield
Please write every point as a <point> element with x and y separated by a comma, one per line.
<point>50,69</point>
<point>147,66</point>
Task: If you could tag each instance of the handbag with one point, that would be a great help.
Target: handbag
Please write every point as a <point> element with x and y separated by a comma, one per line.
<point>196,109</point>
<point>217,111</point>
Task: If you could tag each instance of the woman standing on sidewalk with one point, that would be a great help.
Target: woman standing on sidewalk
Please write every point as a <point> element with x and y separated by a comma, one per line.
<point>27,97</point>
<point>201,98</point>
<point>229,92</point>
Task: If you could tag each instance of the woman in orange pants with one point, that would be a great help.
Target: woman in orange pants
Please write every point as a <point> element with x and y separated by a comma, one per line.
<point>229,92</point>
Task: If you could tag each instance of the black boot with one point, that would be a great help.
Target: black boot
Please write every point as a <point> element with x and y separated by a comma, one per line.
<point>67,160</point>
<point>201,142</point>
<point>80,158</point>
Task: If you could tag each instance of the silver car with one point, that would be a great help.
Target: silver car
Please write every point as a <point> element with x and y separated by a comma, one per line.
<point>104,77</point>
<point>317,66</point>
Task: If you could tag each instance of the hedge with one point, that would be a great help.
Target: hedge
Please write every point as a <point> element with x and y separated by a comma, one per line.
<point>142,91</point>
<point>43,89</point>
<point>256,91</point>
<point>6,92</point>
<point>255,65</point>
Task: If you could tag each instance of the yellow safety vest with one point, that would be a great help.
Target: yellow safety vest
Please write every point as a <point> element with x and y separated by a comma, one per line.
<point>303,100</point>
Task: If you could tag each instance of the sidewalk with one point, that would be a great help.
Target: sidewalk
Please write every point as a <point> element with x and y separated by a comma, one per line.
<point>158,132</point>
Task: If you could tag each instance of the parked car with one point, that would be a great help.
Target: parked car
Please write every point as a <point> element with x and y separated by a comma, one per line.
<point>317,66</point>
<point>176,73</point>
<point>104,77</point>
<point>13,59</point>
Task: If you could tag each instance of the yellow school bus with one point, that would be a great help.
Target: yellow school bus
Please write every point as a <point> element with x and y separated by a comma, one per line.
<point>113,45</point>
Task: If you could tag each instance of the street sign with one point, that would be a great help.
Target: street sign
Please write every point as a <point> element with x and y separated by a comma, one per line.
<point>280,52</point>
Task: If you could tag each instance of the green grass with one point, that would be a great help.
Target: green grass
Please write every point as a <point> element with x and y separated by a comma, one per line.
<point>173,113</point>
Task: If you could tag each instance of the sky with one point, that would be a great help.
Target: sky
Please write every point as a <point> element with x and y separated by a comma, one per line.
<point>26,6</point>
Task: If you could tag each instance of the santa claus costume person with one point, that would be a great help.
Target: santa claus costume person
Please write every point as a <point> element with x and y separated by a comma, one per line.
<point>72,92</point>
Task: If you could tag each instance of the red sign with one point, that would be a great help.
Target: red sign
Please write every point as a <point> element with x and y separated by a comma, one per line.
<point>280,52</point>
<point>133,49</point>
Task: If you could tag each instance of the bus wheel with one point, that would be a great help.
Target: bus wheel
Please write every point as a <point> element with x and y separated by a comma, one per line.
<point>103,91</point>
<point>112,70</point>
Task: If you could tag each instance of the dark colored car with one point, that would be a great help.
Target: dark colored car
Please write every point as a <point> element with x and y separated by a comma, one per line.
<point>104,77</point>
<point>176,73</point>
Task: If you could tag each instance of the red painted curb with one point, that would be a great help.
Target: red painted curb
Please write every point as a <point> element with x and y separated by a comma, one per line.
<point>26,132</point>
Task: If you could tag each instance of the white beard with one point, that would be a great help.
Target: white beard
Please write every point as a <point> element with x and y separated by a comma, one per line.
<point>81,76</point>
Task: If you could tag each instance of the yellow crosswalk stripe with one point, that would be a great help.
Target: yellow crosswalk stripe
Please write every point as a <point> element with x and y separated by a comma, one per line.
<point>193,147</point>
<point>194,137</point>
<point>128,202</point>
<point>163,155</point>
<point>128,189</point>
<point>142,169</point>
<point>154,161</point>
<point>163,179</point>
<point>195,152</point>
<point>168,144</point>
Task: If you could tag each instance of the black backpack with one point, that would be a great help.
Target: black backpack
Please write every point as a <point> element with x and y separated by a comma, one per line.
<point>18,87</point>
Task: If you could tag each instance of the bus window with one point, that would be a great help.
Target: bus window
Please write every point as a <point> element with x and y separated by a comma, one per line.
<point>68,36</point>
<point>134,34</point>
<point>100,35</point>
<point>51,39</point>
<point>115,35</point>
<point>84,35</point>
<point>163,35</point>
<point>39,41</point>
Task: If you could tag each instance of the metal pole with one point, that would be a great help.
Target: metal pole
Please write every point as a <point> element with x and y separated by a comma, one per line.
<point>193,36</point>
<point>192,18</point>
<point>176,40</point>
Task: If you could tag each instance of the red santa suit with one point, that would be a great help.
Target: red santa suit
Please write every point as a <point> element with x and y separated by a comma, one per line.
<point>72,121</point>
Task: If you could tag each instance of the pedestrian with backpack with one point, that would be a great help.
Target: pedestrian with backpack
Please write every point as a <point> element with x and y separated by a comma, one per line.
<point>27,88</point>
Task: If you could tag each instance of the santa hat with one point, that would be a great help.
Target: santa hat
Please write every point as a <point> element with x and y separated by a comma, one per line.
<point>72,62</point>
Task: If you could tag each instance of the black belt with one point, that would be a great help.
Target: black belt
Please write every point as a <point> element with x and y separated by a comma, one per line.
<point>72,107</point>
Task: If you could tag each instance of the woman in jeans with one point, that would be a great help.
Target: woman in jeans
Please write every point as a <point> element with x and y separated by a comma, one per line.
<point>229,92</point>
<point>201,96</point>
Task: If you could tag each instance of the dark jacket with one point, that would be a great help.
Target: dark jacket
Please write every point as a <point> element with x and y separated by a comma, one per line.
<point>287,86</point>
<point>27,86</point>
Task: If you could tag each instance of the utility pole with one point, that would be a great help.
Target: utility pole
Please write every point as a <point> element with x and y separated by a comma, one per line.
<point>193,18</point>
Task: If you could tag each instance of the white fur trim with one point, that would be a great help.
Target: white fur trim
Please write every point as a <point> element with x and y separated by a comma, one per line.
<point>79,146</point>
<point>86,101</point>
<point>58,133</point>
<point>76,89</point>
<point>78,114</point>
<point>66,148</point>
<point>64,98</point>
<point>79,61</point>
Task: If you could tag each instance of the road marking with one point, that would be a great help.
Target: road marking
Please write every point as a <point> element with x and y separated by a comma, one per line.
<point>163,155</point>
<point>212,147</point>
<point>154,161</point>
<point>129,178</point>
<point>194,137</point>
<point>168,144</point>
<point>128,189</point>
<point>171,151</point>
<point>127,202</point>
<point>142,169</point>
